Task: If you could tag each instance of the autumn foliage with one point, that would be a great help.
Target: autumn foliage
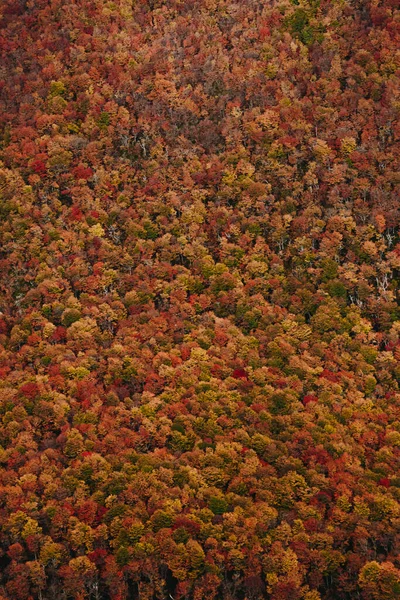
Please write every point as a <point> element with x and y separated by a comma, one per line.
<point>199,300</point>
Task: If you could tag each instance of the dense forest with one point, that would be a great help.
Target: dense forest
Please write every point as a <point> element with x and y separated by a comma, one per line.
<point>199,300</point>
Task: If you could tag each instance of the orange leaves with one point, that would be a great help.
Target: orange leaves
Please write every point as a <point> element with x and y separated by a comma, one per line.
<point>199,349</point>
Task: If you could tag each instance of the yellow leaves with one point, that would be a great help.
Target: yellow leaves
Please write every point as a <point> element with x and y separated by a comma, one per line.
<point>292,328</point>
<point>194,213</point>
<point>268,514</point>
<point>73,127</point>
<point>281,565</point>
<point>272,580</point>
<point>289,561</point>
<point>196,556</point>
<point>80,535</point>
<point>143,549</point>
<point>343,503</point>
<point>393,438</point>
<point>370,384</point>
<point>303,332</point>
<point>348,145</point>
<point>82,330</point>
<point>250,466</point>
<point>312,595</point>
<point>37,573</point>
<point>97,230</point>
<point>361,508</point>
<point>257,267</point>
<point>302,364</point>
<point>327,317</point>
<point>271,71</point>
<point>362,326</point>
<point>31,527</point>
<point>166,371</point>
<point>18,336</point>
<point>283,533</point>
<point>245,168</point>
<point>28,478</point>
<point>48,330</point>
<point>78,372</point>
<point>380,580</point>
<point>333,560</point>
<point>385,358</point>
<point>321,150</point>
<point>369,573</point>
<point>50,552</point>
<point>199,356</point>
<point>57,88</point>
<point>74,444</point>
<point>236,558</point>
<point>59,158</point>
<point>229,177</point>
<point>236,112</point>
<point>385,507</point>
<point>57,105</point>
<point>136,531</point>
<point>82,566</point>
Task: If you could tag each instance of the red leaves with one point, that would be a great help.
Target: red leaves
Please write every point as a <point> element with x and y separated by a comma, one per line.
<point>240,374</point>
<point>385,482</point>
<point>185,351</point>
<point>309,398</point>
<point>257,407</point>
<point>86,389</point>
<point>101,511</point>
<point>189,210</point>
<point>330,376</point>
<point>191,526</point>
<point>280,383</point>
<point>33,339</point>
<point>216,370</point>
<point>59,335</point>
<point>39,167</point>
<point>15,551</point>
<point>97,242</point>
<point>264,33</point>
<point>3,326</point>
<point>4,371</point>
<point>76,213</point>
<point>98,556</point>
<point>81,172</point>
<point>29,390</point>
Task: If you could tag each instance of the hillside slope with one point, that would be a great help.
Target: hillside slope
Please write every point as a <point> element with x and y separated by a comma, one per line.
<point>199,300</point>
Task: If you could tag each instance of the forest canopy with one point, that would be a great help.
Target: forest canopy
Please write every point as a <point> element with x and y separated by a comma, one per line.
<point>199,300</point>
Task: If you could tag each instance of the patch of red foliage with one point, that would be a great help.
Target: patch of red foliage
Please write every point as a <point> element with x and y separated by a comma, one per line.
<point>29,390</point>
<point>309,398</point>
<point>240,374</point>
<point>385,482</point>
